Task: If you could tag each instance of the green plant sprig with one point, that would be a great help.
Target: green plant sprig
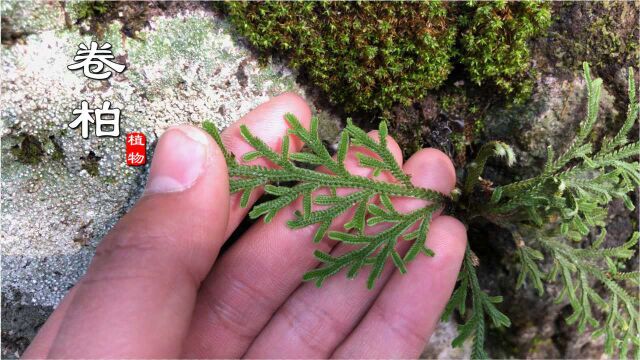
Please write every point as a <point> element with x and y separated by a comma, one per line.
<point>482,305</point>
<point>370,199</point>
<point>622,326</point>
<point>554,213</point>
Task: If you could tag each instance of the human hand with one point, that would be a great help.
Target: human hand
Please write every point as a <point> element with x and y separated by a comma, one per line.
<point>156,287</point>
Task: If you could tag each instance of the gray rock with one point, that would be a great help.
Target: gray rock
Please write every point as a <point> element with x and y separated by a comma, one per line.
<point>551,118</point>
<point>439,346</point>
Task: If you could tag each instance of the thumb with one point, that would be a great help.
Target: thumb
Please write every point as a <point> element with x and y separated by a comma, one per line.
<point>137,297</point>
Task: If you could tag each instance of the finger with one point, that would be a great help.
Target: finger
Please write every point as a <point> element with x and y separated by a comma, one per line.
<point>267,122</point>
<point>313,321</point>
<point>137,297</point>
<point>404,315</point>
<point>256,275</point>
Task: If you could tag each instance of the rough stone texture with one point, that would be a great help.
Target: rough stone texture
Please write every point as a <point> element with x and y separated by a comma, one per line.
<point>59,201</point>
<point>23,18</point>
<point>605,34</point>
<point>550,118</point>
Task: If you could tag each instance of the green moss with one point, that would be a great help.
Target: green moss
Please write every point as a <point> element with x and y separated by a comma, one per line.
<point>478,126</point>
<point>494,42</point>
<point>57,153</point>
<point>366,56</point>
<point>89,9</point>
<point>459,142</point>
<point>373,55</point>
<point>29,151</point>
<point>110,180</point>
<point>90,164</point>
<point>448,101</point>
<point>95,17</point>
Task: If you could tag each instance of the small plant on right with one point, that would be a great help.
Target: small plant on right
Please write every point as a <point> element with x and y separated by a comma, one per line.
<point>552,215</point>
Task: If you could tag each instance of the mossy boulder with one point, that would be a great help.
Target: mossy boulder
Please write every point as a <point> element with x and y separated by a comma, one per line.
<point>372,55</point>
<point>364,55</point>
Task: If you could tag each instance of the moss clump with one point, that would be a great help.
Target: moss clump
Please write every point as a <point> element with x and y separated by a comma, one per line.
<point>95,17</point>
<point>90,164</point>
<point>494,42</point>
<point>58,153</point>
<point>90,9</point>
<point>29,151</point>
<point>372,55</point>
<point>365,55</point>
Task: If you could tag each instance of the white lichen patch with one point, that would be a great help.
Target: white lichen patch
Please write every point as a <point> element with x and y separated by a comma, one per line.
<point>30,16</point>
<point>180,69</point>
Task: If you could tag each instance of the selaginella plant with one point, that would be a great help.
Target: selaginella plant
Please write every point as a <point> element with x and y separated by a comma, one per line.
<point>550,216</point>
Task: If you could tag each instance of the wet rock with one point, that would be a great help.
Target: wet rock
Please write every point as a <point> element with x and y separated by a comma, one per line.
<point>23,18</point>
<point>20,323</point>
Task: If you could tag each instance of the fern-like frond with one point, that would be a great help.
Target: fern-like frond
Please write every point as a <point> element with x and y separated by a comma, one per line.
<point>555,211</point>
<point>482,306</point>
<point>614,165</point>
<point>321,210</point>
<point>576,266</point>
<point>530,270</point>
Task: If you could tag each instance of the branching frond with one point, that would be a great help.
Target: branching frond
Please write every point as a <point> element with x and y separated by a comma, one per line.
<point>482,306</point>
<point>594,180</point>
<point>530,270</point>
<point>555,211</point>
<point>370,199</point>
<point>622,326</point>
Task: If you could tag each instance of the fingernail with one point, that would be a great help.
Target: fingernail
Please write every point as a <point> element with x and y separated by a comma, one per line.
<point>179,159</point>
